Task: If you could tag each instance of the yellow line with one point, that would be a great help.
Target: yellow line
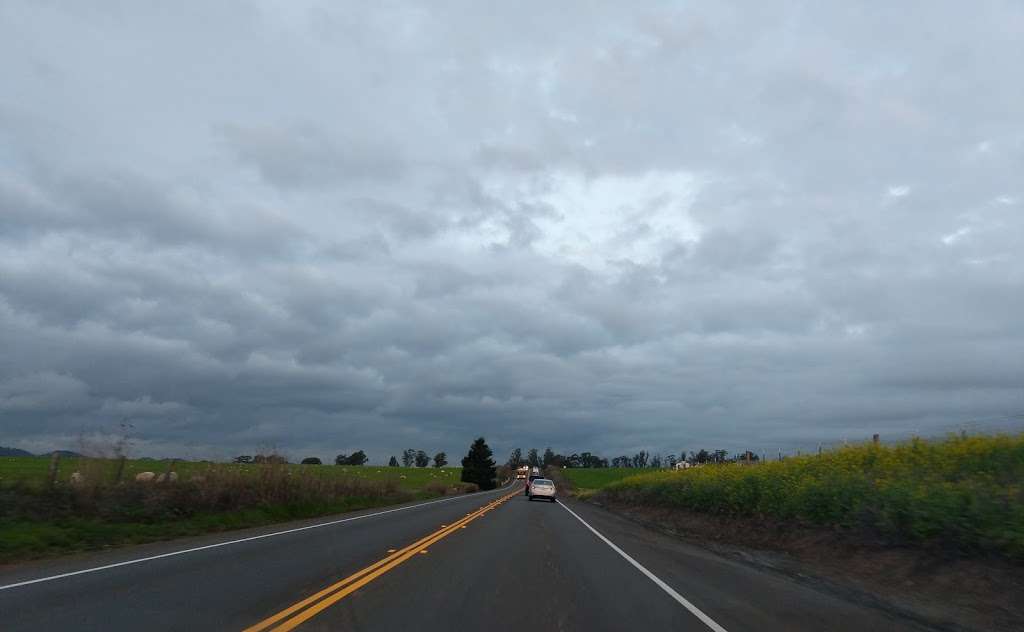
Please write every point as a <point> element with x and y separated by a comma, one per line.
<point>367,575</point>
<point>339,590</point>
<point>298,606</point>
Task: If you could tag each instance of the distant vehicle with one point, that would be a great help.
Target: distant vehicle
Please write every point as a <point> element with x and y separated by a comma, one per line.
<point>541,488</point>
<point>522,472</point>
<point>534,475</point>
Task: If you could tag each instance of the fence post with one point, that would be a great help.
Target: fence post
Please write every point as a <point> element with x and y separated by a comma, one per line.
<point>874,439</point>
<point>51,478</point>
<point>170,468</point>
<point>819,449</point>
<point>119,472</point>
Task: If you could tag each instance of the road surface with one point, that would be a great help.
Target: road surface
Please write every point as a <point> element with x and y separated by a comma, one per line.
<point>489,561</point>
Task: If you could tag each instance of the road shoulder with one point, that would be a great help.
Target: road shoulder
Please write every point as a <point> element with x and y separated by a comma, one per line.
<point>932,590</point>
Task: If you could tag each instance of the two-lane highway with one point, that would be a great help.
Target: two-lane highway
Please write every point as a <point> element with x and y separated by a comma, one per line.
<point>486,561</point>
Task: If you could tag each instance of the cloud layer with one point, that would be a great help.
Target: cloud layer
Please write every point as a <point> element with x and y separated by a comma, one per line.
<point>596,228</point>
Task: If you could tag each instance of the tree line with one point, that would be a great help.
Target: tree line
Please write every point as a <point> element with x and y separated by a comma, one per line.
<point>641,459</point>
<point>419,458</point>
<point>410,457</point>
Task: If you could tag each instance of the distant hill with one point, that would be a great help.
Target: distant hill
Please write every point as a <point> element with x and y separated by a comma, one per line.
<point>4,451</point>
<point>64,453</point>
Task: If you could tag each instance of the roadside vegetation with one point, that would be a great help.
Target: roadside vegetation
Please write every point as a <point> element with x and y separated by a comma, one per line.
<point>33,471</point>
<point>97,503</point>
<point>964,493</point>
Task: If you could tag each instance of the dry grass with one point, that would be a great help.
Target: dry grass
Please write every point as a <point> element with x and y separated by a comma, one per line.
<point>36,521</point>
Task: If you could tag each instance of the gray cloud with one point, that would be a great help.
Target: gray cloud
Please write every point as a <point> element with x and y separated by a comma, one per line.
<point>596,228</point>
<point>304,156</point>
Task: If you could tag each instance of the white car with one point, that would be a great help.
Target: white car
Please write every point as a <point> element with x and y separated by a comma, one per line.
<point>541,488</point>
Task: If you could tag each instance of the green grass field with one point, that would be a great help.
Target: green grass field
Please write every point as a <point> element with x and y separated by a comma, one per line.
<point>33,470</point>
<point>965,494</point>
<point>586,479</point>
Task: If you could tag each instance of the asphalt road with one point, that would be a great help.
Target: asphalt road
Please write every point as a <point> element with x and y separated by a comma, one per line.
<point>482,562</point>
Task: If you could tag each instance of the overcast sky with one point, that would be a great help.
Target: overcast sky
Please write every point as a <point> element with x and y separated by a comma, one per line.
<point>603,227</point>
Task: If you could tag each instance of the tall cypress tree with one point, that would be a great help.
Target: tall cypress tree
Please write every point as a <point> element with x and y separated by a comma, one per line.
<point>478,466</point>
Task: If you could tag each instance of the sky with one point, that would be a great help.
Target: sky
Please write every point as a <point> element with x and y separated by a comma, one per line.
<point>318,227</point>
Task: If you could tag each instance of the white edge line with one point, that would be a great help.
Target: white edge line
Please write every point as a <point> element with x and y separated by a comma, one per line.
<point>697,612</point>
<point>239,541</point>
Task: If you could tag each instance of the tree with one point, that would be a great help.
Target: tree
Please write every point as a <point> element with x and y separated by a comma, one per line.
<point>408,457</point>
<point>622,461</point>
<point>478,466</point>
<point>311,460</point>
<point>422,460</point>
<point>358,458</point>
<point>393,462</point>
<point>587,459</point>
<point>440,459</point>
<point>656,461</point>
<point>532,458</point>
<point>243,459</point>
<point>700,457</point>
<point>516,458</point>
<point>640,459</point>
<point>269,459</point>
<point>549,457</point>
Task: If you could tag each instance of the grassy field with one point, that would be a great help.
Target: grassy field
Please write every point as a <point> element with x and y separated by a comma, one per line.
<point>33,470</point>
<point>587,480</point>
<point>37,521</point>
<point>961,493</point>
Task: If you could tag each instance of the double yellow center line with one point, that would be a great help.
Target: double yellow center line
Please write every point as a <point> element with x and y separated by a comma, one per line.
<point>296,615</point>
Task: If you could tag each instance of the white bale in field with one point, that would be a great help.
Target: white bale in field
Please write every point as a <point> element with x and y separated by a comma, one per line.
<point>167,477</point>
<point>145,477</point>
<point>76,479</point>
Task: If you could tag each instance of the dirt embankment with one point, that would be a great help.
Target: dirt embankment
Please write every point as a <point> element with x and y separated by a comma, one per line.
<point>943,589</point>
